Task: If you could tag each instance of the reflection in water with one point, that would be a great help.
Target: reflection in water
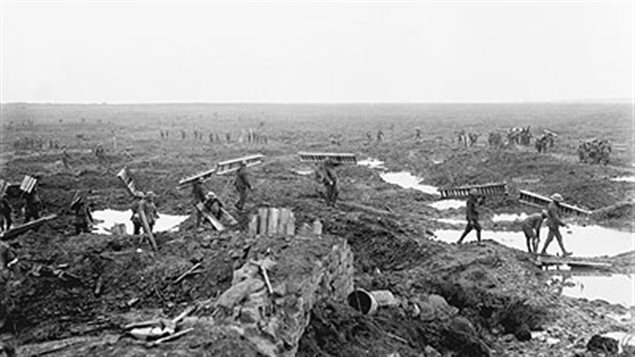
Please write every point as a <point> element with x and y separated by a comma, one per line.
<point>108,218</point>
<point>589,241</point>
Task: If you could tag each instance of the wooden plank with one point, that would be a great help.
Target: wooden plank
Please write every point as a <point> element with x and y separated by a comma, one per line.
<point>203,175</point>
<point>229,217</point>
<point>574,262</point>
<point>15,231</point>
<point>338,158</point>
<point>229,166</point>
<point>147,229</point>
<point>215,223</point>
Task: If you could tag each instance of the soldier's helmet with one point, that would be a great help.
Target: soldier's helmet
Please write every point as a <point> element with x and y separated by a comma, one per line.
<point>557,197</point>
<point>139,194</point>
<point>150,195</point>
<point>210,195</point>
<point>543,213</point>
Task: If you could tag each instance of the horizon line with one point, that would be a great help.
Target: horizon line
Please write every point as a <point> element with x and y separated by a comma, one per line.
<point>563,101</point>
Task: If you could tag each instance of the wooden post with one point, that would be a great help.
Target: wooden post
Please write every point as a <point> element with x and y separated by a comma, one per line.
<point>147,229</point>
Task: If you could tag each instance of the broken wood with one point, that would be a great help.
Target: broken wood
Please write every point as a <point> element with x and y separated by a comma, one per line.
<point>263,271</point>
<point>15,231</point>
<point>171,337</point>
<point>215,223</point>
<point>148,230</point>
<point>188,272</point>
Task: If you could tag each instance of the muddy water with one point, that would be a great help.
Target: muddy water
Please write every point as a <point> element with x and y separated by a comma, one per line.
<point>509,217</point>
<point>447,204</point>
<point>405,179</point>
<point>615,289</point>
<point>108,218</point>
<point>624,179</point>
<point>589,241</point>
<point>372,163</point>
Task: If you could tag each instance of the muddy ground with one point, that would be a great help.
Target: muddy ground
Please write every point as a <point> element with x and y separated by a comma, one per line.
<point>497,289</point>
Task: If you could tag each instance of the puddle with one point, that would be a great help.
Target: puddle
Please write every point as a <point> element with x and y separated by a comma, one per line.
<point>615,289</point>
<point>372,163</point>
<point>589,241</point>
<point>447,204</point>
<point>303,172</point>
<point>165,222</point>
<point>407,180</point>
<point>624,179</point>
<point>452,221</point>
<point>509,217</point>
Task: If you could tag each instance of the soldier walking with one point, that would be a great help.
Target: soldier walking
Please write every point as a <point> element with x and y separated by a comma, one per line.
<point>329,179</point>
<point>32,205</point>
<point>83,216</point>
<point>471,214</point>
<point>554,223</point>
<point>242,185</point>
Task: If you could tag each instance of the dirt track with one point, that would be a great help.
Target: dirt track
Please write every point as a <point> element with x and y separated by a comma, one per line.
<point>391,252</point>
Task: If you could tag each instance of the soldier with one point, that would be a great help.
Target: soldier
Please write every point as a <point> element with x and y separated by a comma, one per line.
<point>380,135</point>
<point>144,203</point>
<point>471,214</point>
<point>198,192</point>
<point>5,210</point>
<point>554,222</point>
<point>83,216</point>
<point>211,205</point>
<point>32,205</point>
<point>242,184</point>
<point>531,228</point>
<point>417,133</point>
<point>7,260</point>
<point>329,179</point>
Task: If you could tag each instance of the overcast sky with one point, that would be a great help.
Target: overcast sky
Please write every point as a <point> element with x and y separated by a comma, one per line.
<point>315,52</point>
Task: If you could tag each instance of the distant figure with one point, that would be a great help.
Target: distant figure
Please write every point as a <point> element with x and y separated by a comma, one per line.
<point>183,134</point>
<point>473,137</point>
<point>211,205</point>
<point>5,210</point>
<point>369,137</point>
<point>329,180</point>
<point>418,133</point>
<point>32,205</point>
<point>242,185</point>
<point>83,216</point>
<point>380,135</point>
<point>228,136</point>
<point>66,158</point>
<point>554,222</point>
<point>211,137</point>
<point>531,228</point>
<point>471,214</point>
<point>462,138</point>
